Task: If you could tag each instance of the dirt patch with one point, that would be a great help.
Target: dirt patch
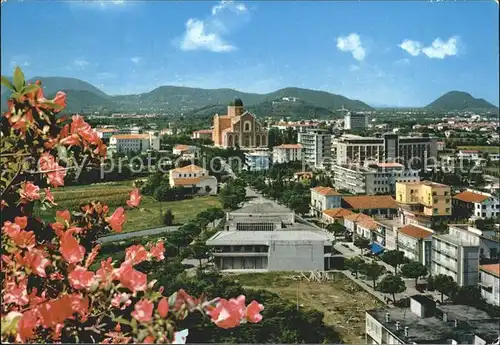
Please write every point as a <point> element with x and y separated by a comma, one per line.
<point>342,301</point>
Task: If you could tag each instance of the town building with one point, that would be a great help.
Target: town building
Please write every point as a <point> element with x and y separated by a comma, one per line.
<point>355,121</point>
<point>387,232</point>
<point>106,133</point>
<point>411,151</point>
<point>202,134</point>
<point>475,204</point>
<point>351,221</point>
<point>371,179</point>
<point>468,155</point>
<point>195,177</point>
<point>425,322</point>
<point>373,205</point>
<point>302,176</point>
<point>335,215</point>
<point>186,150</point>
<point>426,198</point>
<point>257,161</point>
<point>266,237</point>
<point>323,198</point>
<point>238,128</point>
<point>124,143</point>
<point>316,147</point>
<point>458,253</point>
<point>416,242</point>
<point>287,153</point>
<point>489,282</point>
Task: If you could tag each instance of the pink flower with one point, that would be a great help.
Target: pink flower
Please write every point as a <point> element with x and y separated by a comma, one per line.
<point>92,255</point>
<point>143,311</point>
<point>16,293</point>
<point>80,278</point>
<point>117,219</point>
<point>24,239</point>
<point>131,278</point>
<point>121,301</point>
<point>70,249</point>
<point>55,173</point>
<point>163,308</point>
<point>64,215</point>
<point>29,192</point>
<point>60,100</point>
<point>135,198</point>
<point>21,221</point>
<point>11,229</point>
<point>26,326</point>
<point>36,260</point>
<point>253,312</point>
<point>158,250</point>
<point>105,272</point>
<point>49,197</point>
<point>149,340</point>
<point>136,254</point>
<point>228,314</point>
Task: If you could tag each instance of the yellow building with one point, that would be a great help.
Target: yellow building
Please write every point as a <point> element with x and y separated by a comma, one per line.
<point>430,198</point>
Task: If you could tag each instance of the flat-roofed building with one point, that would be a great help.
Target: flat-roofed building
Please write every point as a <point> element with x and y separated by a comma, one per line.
<point>287,153</point>
<point>416,242</point>
<point>428,198</point>
<point>134,143</point>
<point>489,282</point>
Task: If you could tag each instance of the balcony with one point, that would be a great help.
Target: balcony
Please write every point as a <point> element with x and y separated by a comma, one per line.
<point>444,264</point>
<point>448,252</point>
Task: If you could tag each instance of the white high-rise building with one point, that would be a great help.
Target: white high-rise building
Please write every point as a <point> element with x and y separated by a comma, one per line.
<point>355,121</point>
<point>316,147</point>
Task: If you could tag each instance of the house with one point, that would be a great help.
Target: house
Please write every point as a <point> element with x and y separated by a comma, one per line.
<point>351,221</point>
<point>416,242</point>
<point>303,176</point>
<point>202,134</point>
<point>489,282</point>
<point>134,143</point>
<point>381,205</point>
<point>238,128</point>
<point>335,215</point>
<point>426,198</point>
<point>257,161</point>
<point>387,232</point>
<point>425,322</point>
<point>468,155</point>
<point>323,198</point>
<point>287,153</point>
<point>193,176</point>
<point>185,150</point>
<point>475,204</point>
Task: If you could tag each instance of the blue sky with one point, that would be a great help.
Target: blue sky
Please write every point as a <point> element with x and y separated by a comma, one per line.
<point>396,53</point>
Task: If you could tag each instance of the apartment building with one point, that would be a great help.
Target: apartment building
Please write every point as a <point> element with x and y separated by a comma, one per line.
<point>425,322</point>
<point>316,147</point>
<point>186,150</point>
<point>387,232</point>
<point>416,242</point>
<point>195,177</point>
<point>428,198</point>
<point>257,161</point>
<point>355,121</point>
<point>475,204</point>
<point>373,205</point>
<point>371,179</point>
<point>134,143</point>
<point>106,133</point>
<point>324,198</point>
<point>287,153</point>
<point>411,151</point>
<point>458,253</point>
<point>489,282</point>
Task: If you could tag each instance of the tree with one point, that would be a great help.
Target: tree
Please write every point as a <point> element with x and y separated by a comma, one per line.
<point>394,258</point>
<point>362,243</point>
<point>199,251</point>
<point>392,284</point>
<point>445,285</point>
<point>373,271</point>
<point>232,195</point>
<point>415,270</point>
<point>354,265</point>
<point>168,218</point>
<point>336,228</point>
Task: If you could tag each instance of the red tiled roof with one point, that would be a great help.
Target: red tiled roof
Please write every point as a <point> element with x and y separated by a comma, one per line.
<point>328,191</point>
<point>188,168</point>
<point>338,212</point>
<point>367,202</point>
<point>357,217</point>
<point>368,224</point>
<point>468,196</point>
<point>415,231</point>
<point>491,268</point>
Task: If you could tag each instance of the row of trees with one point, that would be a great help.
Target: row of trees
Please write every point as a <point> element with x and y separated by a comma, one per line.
<point>233,194</point>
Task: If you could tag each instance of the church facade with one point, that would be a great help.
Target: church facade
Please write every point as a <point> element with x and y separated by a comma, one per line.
<point>238,128</point>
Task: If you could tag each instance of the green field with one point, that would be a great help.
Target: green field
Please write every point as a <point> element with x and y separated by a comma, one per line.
<point>486,149</point>
<point>115,194</point>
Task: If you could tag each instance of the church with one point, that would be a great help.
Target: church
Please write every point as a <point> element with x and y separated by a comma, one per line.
<point>239,128</point>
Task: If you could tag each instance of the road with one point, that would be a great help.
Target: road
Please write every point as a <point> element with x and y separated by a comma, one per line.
<point>128,235</point>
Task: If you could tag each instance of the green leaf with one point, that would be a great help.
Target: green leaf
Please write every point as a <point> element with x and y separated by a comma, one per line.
<point>122,321</point>
<point>18,79</point>
<point>6,82</point>
<point>30,88</point>
<point>62,153</point>
<point>52,105</point>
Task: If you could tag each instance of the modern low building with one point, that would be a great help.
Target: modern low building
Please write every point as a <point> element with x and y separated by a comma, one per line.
<point>428,198</point>
<point>371,179</point>
<point>373,205</point>
<point>475,205</point>
<point>355,121</point>
<point>316,147</point>
<point>287,153</point>
<point>194,177</point>
<point>324,198</point>
<point>257,161</point>
<point>124,143</point>
<point>416,242</point>
<point>387,232</point>
<point>106,133</point>
<point>489,282</point>
<point>267,216</point>
<point>427,323</point>
<point>202,134</point>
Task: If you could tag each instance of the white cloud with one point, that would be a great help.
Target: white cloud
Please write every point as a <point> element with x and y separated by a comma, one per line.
<point>81,63</point>
<point>411,47</point>
<point>196,37</point>
<point>441,49</point>
<point>229,5</point>
<point>136,59</point>
<point>351,44</point>
<point>100,4</point>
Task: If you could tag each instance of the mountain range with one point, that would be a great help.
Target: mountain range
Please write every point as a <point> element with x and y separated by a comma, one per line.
<point>83,97</point>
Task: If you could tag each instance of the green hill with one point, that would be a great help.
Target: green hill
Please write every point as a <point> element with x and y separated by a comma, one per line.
<point>459,100</point>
